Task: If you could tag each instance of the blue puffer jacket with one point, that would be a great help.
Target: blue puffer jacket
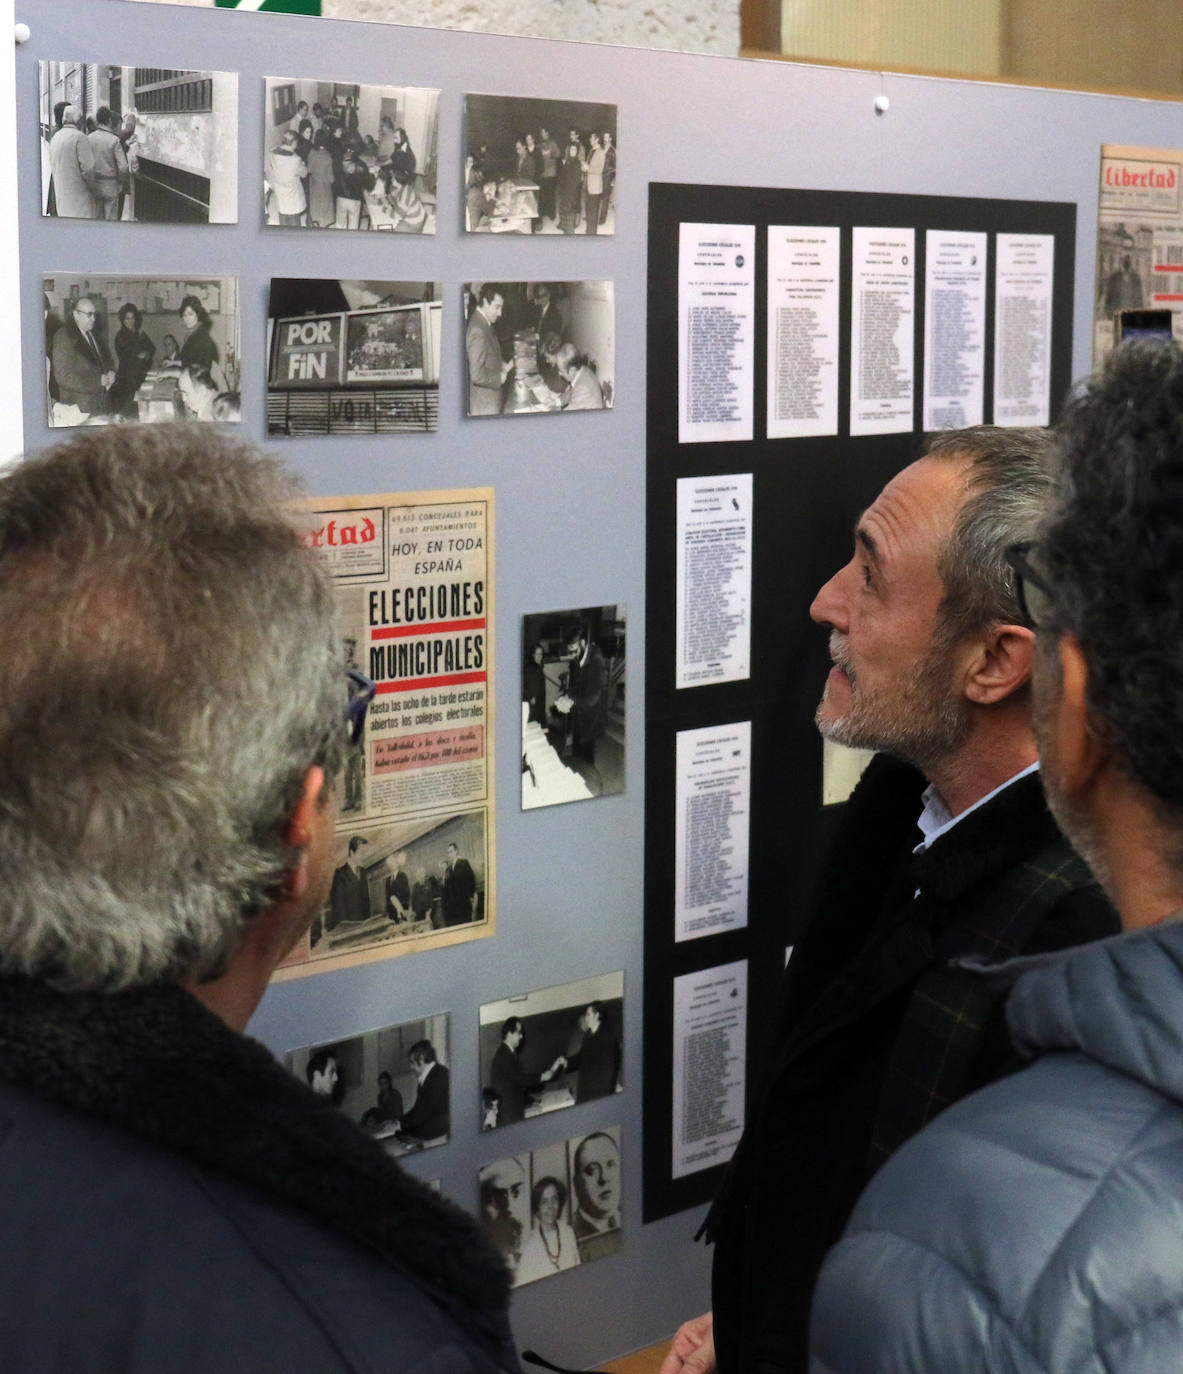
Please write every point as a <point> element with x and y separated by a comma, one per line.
<point>1037,1226</point>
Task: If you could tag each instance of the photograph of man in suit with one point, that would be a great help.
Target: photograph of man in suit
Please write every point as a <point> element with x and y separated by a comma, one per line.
<point>82,365</point>
<point>349,897</point>
<point>429,1116</point>
<point>487,369</point>
<point>585,702</point>
<point>458,901</point>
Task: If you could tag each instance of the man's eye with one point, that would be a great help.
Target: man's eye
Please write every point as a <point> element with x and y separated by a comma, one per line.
<point>868,580</point>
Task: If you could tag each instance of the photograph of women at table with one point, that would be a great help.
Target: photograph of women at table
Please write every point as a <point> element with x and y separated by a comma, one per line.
<point>346,156</point>
<point>539,166</point>
<point>141,349</point>
<point>548,1049</point>
<point>539,348</point>
<point>394,1081</point>
<point>573,695</point>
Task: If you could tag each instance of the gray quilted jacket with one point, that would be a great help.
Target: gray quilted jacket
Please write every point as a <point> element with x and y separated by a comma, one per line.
<point>1037,1226</point>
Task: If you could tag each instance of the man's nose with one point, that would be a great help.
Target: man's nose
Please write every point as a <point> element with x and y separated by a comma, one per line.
<point>828,606</point>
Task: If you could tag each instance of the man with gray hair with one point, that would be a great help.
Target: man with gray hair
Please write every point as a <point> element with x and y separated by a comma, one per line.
<point>72,167</point>
<point>173,713</point>
<point>1036,1226</point>
<point>945,851</point>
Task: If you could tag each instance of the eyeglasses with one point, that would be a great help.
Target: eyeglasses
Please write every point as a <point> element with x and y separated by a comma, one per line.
<point>361,693</point>
<point>1034,592</point>
<point>91,313</point>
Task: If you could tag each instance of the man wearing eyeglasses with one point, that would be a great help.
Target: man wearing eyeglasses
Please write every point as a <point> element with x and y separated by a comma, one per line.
<point>82,365</point>
<point>945,851</point>
<point>1036,1226</point>
<point>173,714</point>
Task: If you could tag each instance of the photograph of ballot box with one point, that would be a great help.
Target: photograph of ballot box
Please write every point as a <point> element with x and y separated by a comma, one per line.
<point>539,166</point>
<point>535,348</point>
<point>353,357</point>
<point>147,349</point>
<point>573,699</point>
<point>394,1081</point>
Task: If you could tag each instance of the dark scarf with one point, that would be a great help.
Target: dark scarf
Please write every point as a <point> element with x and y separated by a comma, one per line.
<point>157,1064</point>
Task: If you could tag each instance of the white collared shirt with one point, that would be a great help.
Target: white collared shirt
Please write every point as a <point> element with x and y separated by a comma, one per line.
<point>936,819</point>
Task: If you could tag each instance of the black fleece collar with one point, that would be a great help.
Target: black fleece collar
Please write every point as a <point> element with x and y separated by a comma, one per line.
<point>158,1064</point>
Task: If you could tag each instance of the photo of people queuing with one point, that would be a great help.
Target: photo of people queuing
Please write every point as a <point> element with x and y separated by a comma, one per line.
<point>144,145</point>
<point>126,349</point>
<point>341,156</point>
<point>394,1082</point>
<point>539,347</point>
<point>539,166</point>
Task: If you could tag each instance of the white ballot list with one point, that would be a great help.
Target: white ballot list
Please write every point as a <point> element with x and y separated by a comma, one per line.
<point>711,837</point>
<point>710,1065</point>
<point>883,318</point>
<point>954,328</point>
<point>1023,328</point>
<point>413,585</point>
<point>716,331</point>
<point>713,603</point>
<point>803,298</point>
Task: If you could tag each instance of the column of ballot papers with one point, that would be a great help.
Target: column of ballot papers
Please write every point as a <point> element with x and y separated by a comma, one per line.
<point>546,779</point>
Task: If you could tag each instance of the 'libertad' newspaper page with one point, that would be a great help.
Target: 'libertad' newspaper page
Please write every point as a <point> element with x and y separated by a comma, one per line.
<point>1139,238</point>
<point>415,844</point>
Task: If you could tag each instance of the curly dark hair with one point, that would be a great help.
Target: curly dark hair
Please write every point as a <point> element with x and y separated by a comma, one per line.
<point>1112,550</point>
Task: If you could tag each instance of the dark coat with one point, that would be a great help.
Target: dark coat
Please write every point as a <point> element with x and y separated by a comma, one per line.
<point>595,1065</point>
<point>349,897</point>
<point>430,1114</point>
<point>175,1200</point>
<point>459,890</point>
<point>1035,1226</point>
<point>587,686</point>
<point>876,1034</point>
<point>78,368</point>
<point>512,1082</point>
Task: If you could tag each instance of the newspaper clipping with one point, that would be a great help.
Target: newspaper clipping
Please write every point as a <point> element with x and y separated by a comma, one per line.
<point>415,864</point>
<point>1139,241</point>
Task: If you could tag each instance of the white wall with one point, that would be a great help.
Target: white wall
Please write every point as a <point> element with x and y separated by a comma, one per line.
<point>711,26</point>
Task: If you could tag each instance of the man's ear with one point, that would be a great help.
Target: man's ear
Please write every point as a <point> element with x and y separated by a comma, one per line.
<point>300,830</point>
<point>1079,750</point>
<point>998,663</point>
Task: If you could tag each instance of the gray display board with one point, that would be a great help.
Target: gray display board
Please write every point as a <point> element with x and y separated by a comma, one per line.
<point>570,489</point>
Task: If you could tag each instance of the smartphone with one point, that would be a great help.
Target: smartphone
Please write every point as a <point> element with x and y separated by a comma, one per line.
<point>1143,324</point>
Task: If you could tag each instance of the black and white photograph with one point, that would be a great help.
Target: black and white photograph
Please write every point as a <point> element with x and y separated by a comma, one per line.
<point>556,1207</point>
<point>352,357</point>
<point>394,1082</point>
<point>573,696</point>
<point>148,349</point>
<point>396,884</point>
<point>338,155</point>
<point>539,347</point>
<point>552,1048</point>
<point>143,145</point>
<point>539,166</point>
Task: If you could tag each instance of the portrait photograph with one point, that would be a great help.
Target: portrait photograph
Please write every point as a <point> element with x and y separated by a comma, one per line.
<point>147,349</point>
<point>393,1082</point>
<point>338,155</point>
<point>352,356</point>
<point>539,348</point>
<point>545,1050</point>
<point>539,166</point>
<point>555,1208</point>
<point>573,700</point>
<point>140,145</point>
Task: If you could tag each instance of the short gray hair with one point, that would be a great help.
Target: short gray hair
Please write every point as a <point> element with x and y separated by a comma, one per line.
<point>169,672</point>
<point>1009,485</point>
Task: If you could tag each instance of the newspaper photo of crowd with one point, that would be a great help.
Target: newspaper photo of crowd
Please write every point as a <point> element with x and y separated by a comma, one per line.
<point>394,1082</point>
<point>556,1207</point>
<point>341,156</point>
<point>539,347</point>
<point>539,166</point>
<point>147,145</point>
<point>125,349</point>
